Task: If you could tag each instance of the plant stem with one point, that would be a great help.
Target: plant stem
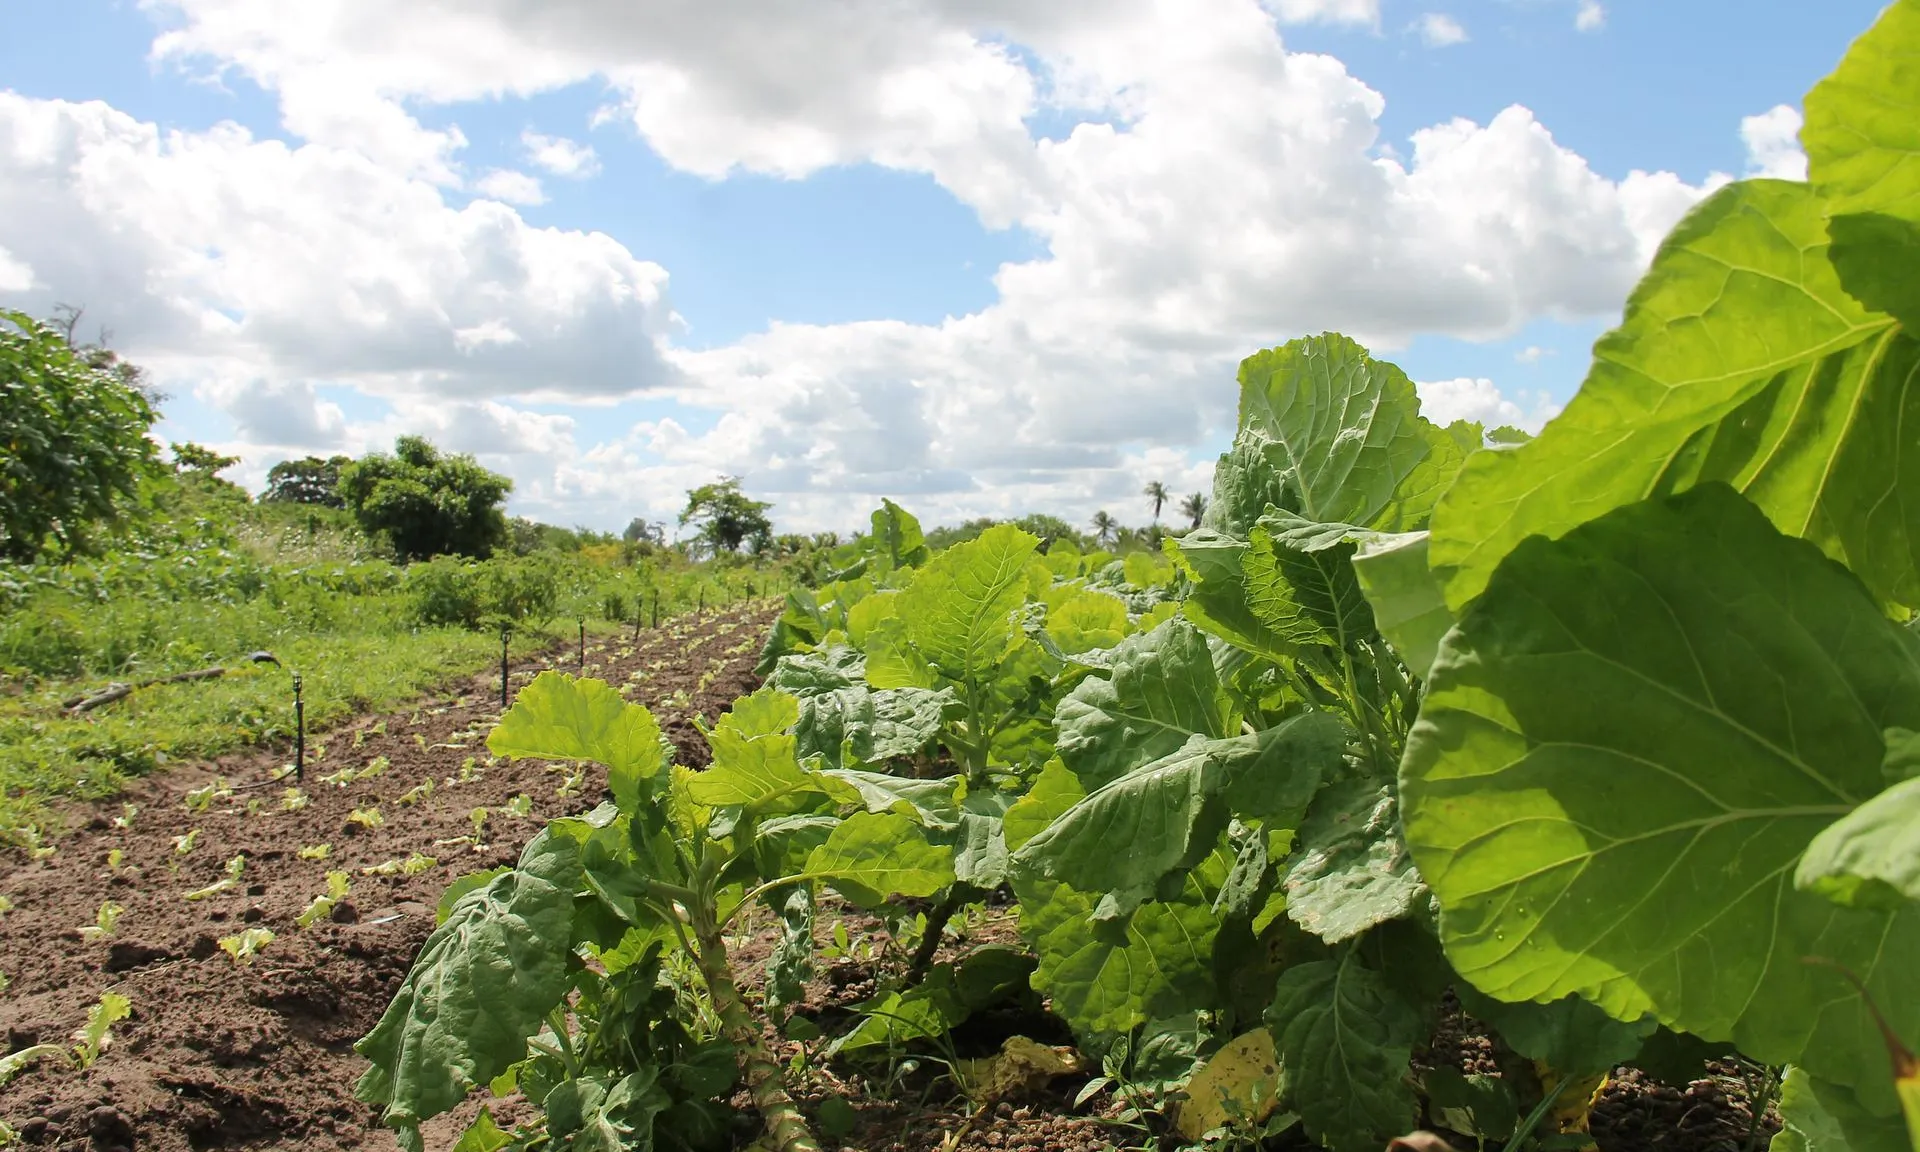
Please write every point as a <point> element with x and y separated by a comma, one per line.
<point>786,1128</point>
<point>937,919</point>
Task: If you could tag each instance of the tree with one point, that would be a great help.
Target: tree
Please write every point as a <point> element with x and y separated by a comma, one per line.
<point>308,480</point>
<point>424,503</point>
<point>727,517</point>
<point>1105,527</point>
<point>197,458</point>
<point>1156,492</point>
<point>1194,507</point>
<point>642,530</point>
<point>73,441</point>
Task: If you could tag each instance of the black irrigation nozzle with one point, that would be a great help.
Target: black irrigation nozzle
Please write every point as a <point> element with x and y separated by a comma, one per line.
<point>299,728</point>
<point>583,646</point>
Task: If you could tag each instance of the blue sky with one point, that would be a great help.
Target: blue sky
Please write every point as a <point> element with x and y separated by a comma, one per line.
<point>771,236</point>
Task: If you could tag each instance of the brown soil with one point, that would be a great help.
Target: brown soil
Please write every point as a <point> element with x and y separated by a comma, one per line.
<point>259,1056</point>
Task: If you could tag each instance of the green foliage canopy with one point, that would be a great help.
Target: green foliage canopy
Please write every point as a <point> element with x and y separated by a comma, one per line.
<point>426,503</point>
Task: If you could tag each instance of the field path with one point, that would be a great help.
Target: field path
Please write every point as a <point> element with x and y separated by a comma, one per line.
<point>259,1056</point>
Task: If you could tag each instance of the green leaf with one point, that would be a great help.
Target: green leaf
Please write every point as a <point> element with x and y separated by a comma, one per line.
<point>1106,977</point>
<point>599,1118</point>
<point>560,718</point>
<point>1221,601</point>
<point>871,857</point>
<point>896,536</point>
<point>483,1135</point>
<point>481,985</point>
<point>1351,869</point>
<point>1305,595</point>
<point>1742,359</point>
<point>1054,791</point>
<point>1571,1036</point>
<point>1625,747</point>
<point>1862,138</point>
<point>1081,620</point>
<point>755,765</point>
<point>791,963</point>
<point>946,998</point>
<point>958,614</point>
<point>1409,606</point>
<point>1340,429</point>
<point>1161,691</point>
<point>1169,814</point>
<point>1821,1117</point>
<point>1869,858</point>
<point>930,803</point>
<point>1344,1038</point>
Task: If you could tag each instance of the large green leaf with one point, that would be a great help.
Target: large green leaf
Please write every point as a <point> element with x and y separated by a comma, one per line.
<point>1350,869</point>
<point>1081,619</point>
<point>896,537</point>
<point>1054,791</point>
<point>873,856</point>
<point>1105,977</point>
<point>1741,358</point>
<point>1862,138</point>
<point>1161,690</point>
<point>1301,584</point>
<point>1409,607</point>
<point>958,614</point>
<point>1869,858</point>
<point>1340,429</point>
<point>481,985</point>
<point>846,723</point>
<point>1344,1038</point>
<point>1220,600</point>
<point>560,718</point>
<point>1169,814</point>
<point>1627,743</point>
<point>755,760</point>
<point>1821,1117</point>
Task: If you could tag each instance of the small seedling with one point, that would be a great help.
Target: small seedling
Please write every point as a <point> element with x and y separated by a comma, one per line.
<point>521,806</point>
<point>366,817</point>
<point>103,922</point>
<point>292,800</point>
<point>412,866</point>
<point>201,799</point>
<point>322,906</point>
<point>115,858</point>
<point>415,794</point>
<point>235,867</point>
<point>253,806</point>
<point>244,946</point>
<point>127,813</point>
<point>479,818</point>
<point>6,905</point>
<point>37,848</point>
<point>316,852</point>
<point>97,1033</point>
<point>571,786</point>
<point>185,844</point>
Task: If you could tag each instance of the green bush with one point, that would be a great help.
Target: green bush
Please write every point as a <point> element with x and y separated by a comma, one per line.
<point>475,594</point>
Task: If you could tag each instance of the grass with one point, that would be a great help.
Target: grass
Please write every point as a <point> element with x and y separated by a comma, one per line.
<point>210,590</point>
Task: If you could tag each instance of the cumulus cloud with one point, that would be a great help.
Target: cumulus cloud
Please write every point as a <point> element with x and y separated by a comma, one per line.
<point>316,263</point>
<point>1220,194</point>
<point>1532,354</point>
<point>1440,30</point>
<point>512,187</point>
<point>1479,399</point>
<point>1773,143</point>
<point>1591,16</point>
<point>560,156</point>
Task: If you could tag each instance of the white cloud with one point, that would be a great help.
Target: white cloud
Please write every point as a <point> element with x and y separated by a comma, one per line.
<point>1470,398</point>
<point>1591,17</point>
<point>1532,354</point>
<point>560,156</point>
<point>511,187</point>
<point>313,263</point>
<point>1773,143</point>
<point>15,275</point>
<point>1326,11</point>
<point>1440,30</point>
<point>1223,195</point>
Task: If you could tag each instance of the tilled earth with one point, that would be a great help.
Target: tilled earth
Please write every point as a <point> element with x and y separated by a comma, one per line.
<point>218,1054</point>
<point>258,1056</point>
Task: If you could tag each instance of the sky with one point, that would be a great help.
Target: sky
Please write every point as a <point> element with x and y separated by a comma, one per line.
<point>985,257</point>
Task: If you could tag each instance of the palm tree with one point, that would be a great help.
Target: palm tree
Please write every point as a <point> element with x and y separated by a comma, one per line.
<point>1194,507</point>
<point>1156,492</point>
<point>1104,526</point>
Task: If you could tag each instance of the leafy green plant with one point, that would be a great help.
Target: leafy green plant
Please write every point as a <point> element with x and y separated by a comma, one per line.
<point>322,905</point>
<point>651,880</point>
<point>243,946</point>
<point>235,867</point>
<point>103,924</point>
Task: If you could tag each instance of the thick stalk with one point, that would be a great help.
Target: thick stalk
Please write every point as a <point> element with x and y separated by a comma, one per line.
<point>786,1128</point>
